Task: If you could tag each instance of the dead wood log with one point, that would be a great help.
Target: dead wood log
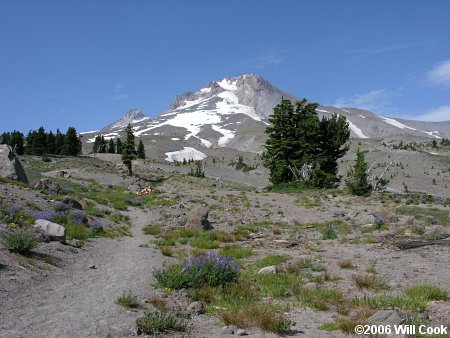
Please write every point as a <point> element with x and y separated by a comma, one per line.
<point>418,244</point>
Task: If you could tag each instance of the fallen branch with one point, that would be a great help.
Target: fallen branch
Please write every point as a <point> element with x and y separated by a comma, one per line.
<point>418,244</point>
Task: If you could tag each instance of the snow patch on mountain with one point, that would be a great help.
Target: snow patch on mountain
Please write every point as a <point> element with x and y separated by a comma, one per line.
<point>206,143</point>
<point>187,153</point>
<point>356,130</point>
<point>228,135</point>
<point>396,123</point>
<point>228,84</point>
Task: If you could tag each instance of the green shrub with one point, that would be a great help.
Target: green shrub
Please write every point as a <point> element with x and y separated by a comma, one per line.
<point>152,230</point>
<point>128,300</point>
<point>154,323</point>
<point>199,271</point>
<point>19,241</point>
<point>237,252</point>
<point>329,232</point>
<point>79,231</point>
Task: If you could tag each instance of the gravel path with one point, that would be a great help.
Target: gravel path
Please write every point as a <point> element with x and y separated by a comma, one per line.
<point>79,301</point>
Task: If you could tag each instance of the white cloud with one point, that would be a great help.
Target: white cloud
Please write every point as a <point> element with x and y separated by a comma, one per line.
<point>440,74</point>
<point>441,113</point>
<point>376,100</point>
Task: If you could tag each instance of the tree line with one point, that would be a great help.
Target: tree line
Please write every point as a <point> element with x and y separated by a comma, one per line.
<point>39,142</point>
<point>101,145</point>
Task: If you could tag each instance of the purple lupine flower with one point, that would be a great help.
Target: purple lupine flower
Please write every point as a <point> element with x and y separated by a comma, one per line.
<point>60,206</point>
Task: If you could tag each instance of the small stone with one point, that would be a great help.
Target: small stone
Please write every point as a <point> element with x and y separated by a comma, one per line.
<point>272,269</point>
<point>228,329</point>
<point>241,332</point>
<point>92,266</point>
<point>196,308</point>
<point>386,317</point>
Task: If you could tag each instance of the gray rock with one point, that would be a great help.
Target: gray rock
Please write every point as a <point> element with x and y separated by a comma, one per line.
<point>241,332</point>
<point>45,184</point>
<point>74,203</point>
<point>10,166</point>
<point>386,317</point>
<point>272,269</point>
<point>55,231</point>
<point>196,308</point>
<point>197,218</point>
<point>310,286</point>
<point>134,188</point>
<point>228,329</point>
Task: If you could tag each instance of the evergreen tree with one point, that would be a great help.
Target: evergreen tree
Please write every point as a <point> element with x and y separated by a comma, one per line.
<point>17,142</point>
<point>111,147</point>
<point>128,149</point>
<point>102,145</point>
<point>72,144</point>
<point>119,146</point>
<point>51,143</point>
<point>40,142</point>
<point>357,181</point>
<point>302,148</point>
<point>141,150</point>
<point>97,144</point>
<point>29,142</point>
<point>59,142</point>
<point>5,138</point>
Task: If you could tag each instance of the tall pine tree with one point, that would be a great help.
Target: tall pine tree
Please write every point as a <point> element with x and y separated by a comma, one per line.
<point>141,150</point>
<point>111,146</point>
<point>72,144</point>
<point>119,146</point>
<point>302,148</point>
<point>128,149</point>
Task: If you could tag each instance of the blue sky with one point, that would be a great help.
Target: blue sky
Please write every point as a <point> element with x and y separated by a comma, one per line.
<point>85,63</point>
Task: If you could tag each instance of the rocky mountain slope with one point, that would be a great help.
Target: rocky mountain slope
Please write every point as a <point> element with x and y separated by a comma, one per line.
<point>232,113</point>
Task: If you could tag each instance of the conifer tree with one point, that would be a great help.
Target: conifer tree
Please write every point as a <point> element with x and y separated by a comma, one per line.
<point>128,149</point>
<point>111,146</point>
<point>102,145</point>
<point>5,138</point>
<point>141,150</point>
<point>51,145</point>
<point>97,144</point>
<point>302,148</point>
<point>357,178</point>
<point>59,142</point>
<point>72,144</point>
<point>119,146</point>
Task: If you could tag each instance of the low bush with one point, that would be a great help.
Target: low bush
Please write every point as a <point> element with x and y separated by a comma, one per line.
<point>155,323</point>
<point>199,271</point>
<point>19,241</point>
<point>128,300</point>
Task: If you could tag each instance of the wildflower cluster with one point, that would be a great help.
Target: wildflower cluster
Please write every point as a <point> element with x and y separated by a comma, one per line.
<point>379,221</point>
<point>52,216</point>
<point>133,201</point>
<point>8,213</point>
<point>60,206</point>
<point>78,217</point>
<point>95,224</point>
<point>210,270</point>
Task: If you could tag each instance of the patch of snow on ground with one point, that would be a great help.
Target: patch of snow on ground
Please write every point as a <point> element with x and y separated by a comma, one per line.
<point>88,132</point>
<point>228,135</point>
<point>206,143</point>
<point>396,123</point>
<point>188,104</point>
<point>433,153</point>
<point>362,116</point>
<point>106,136</point>
<point>227,85</point>
<point>175,139</point>
<point>323,111</point>
<point>187,153</point>
<point>356,130</point>
<point>432,133</point>
<point>205,90</point>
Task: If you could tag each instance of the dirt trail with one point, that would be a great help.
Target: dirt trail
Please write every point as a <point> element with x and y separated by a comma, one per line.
<point>79,301</point>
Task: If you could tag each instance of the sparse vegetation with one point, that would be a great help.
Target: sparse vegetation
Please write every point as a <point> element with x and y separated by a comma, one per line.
<point>19,241</point>
<point>128,300</point>
<point>155,323</point>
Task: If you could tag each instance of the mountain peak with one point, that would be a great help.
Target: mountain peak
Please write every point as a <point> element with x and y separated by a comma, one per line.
<point>133,114</point>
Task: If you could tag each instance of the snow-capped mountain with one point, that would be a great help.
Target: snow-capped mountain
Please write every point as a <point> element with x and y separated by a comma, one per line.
<point>233,112</point>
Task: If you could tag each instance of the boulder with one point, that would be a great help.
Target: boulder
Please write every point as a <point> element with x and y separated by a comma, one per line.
<point>73,203</point>
<point>197,218</point>
<point>10,166</point>
<point>45,184</point>
<point>55,231</point>
<point>386,317</point>
<point>196,308</point>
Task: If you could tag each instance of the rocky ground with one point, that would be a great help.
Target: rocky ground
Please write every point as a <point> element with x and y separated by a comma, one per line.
<point>329,263</point>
